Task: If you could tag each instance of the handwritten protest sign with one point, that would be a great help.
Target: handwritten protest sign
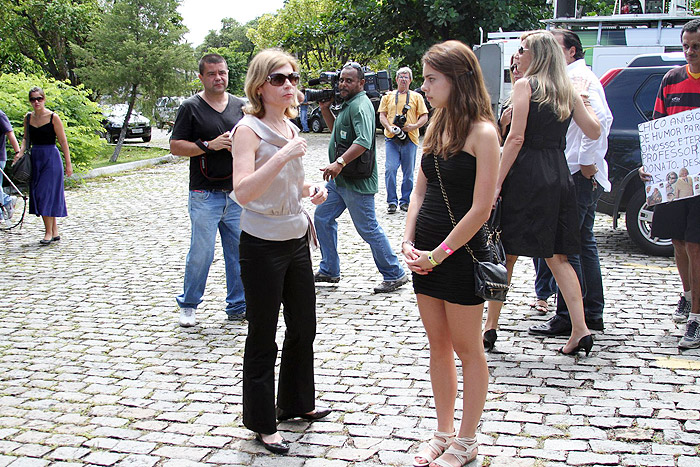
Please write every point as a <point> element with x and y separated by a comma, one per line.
<point>671,154</point>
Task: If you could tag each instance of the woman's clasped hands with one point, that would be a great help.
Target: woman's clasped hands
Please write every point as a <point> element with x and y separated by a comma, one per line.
<point>417,260</point>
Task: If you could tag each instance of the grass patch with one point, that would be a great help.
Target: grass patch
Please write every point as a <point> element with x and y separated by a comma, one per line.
<point>127,154</point>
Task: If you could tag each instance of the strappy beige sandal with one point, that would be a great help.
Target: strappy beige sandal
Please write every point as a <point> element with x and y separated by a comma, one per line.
<point>435,447</point>
<point>463,457</point>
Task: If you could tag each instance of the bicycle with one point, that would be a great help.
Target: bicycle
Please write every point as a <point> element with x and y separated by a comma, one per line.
<point>10,218</point>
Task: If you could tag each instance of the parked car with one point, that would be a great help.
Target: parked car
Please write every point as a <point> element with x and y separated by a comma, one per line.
<point>139,126</point>
<point>165,111</point>
<point>631,94</point>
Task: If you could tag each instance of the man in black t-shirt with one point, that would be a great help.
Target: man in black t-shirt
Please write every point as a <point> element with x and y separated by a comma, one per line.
<point>201,132</point>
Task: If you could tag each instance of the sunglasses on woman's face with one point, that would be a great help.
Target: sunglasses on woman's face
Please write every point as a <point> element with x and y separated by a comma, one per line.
<point>522,50</point>
<point>278,79</point>
<point>36,99</point>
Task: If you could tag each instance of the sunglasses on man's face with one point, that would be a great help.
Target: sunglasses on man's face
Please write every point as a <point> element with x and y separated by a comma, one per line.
<point>36,99</point>
<point>278,79</point>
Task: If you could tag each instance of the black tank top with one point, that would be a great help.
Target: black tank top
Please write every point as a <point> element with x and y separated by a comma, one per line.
<point>44,134</point>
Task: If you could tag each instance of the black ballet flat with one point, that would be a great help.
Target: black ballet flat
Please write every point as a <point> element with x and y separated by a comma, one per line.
<point>585,343</point>
<point>490,337</point>
<point>315,415</point>
<point>278,448</point>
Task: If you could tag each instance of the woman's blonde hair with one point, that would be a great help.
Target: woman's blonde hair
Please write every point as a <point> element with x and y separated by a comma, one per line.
<point>469,100</point>
<point>551,86</point>
<point>264,63</point>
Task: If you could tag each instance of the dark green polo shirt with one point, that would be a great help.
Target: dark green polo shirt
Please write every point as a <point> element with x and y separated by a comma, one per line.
<point>355,124</point>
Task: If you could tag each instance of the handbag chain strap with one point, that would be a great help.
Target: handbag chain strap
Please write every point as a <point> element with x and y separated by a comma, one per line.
<point>449,210</point>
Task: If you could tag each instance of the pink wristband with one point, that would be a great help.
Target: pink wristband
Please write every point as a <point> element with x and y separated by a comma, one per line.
<point>447,249</point>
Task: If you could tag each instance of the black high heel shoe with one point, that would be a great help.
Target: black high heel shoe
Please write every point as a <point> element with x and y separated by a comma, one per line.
<point>585,343</point>
<point>490,337</point>
<point>310,417</point>
<point>281,447</point>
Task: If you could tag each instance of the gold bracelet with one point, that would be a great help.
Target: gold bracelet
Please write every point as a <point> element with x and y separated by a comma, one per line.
<point>432,260</point>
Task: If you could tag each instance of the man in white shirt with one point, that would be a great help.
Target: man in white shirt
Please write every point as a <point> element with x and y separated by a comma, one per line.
<point>589,169</point>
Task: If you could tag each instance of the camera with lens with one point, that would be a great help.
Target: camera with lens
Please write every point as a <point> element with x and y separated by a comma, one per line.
<point>399,122</point>
<point>322,95</point>
<point>399,133</point>
<point>375,84</point>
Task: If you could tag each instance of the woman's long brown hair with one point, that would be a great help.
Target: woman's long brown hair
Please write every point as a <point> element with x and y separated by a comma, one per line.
<point>469,100</point>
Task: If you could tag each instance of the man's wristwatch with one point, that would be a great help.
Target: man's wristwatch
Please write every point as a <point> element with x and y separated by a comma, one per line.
<point>341,161</point>
<point>203,145</point>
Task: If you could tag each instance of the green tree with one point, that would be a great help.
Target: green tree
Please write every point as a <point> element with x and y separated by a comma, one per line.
<point>81,117</point>
<point>36,34</point>
<point>137,50</point>
<point>232,34</point>
<point>407,28</point>
<point>318,34</point>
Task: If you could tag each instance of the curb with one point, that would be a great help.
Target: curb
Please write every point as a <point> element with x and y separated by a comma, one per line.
<point>125,167</point>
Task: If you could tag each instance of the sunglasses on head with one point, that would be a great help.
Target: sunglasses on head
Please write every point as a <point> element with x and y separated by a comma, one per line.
<point>522,49</point>
<point>36,99</point>
<point>278,79</point>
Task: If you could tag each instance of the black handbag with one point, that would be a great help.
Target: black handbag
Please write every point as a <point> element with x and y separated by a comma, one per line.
<point>490,277</point>
<point>360,167</point>
<point>22,169</point>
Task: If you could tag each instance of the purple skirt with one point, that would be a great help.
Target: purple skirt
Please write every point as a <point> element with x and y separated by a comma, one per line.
<point>46,197</point>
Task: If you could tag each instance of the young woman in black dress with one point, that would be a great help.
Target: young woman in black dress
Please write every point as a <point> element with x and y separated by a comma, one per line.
<point>462,140</point>
<point>539,210</point>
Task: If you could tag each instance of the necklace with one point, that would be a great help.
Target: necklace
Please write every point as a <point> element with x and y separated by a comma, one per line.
<point>284,132</point>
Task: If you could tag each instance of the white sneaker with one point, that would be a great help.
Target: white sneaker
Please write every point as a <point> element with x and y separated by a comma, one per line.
<point>187,318</point>
<point>10,207</point>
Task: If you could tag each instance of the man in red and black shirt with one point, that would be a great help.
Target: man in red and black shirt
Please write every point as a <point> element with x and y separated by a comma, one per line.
<point>680,220</point>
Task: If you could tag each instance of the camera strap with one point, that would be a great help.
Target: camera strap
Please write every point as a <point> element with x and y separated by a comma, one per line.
<point>396,102</point>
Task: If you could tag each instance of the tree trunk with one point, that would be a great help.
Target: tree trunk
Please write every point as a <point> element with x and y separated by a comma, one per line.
<point>125,125</point>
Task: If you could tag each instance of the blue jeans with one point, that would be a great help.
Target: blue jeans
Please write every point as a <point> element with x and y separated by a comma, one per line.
<point>404,155</point>
<point>303,116</point>
<point>545,284</point>
<point>361,208</point>
<point>4,197</point>
<point>209,211</point>
<point>587,264</point>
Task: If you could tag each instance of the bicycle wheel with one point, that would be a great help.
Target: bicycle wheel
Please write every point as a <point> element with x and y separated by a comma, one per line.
<point>12,214</point>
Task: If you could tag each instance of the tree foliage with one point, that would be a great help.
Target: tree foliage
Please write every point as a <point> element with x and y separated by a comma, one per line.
<point>36,34</point>
<point>137,50</point>
<point>407,28</point>
<point>317,33</point>
<point>81,117</point>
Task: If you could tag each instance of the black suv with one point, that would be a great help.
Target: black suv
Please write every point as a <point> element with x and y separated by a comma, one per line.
<point>631,94</point>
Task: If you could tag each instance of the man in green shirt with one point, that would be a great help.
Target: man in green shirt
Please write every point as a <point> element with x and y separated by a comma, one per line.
<point>354,128</point>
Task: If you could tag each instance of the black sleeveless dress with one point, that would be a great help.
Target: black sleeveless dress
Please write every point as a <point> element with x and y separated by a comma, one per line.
<point>539,216</point>
<point>453,280</point>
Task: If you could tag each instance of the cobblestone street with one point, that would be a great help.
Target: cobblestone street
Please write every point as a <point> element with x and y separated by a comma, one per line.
<point>96,371</point>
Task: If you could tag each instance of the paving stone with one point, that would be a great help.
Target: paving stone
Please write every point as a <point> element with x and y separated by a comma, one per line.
<point>103,458</point>
<point>587,458</point>
<point>96,370</point>
<point>647,459</point>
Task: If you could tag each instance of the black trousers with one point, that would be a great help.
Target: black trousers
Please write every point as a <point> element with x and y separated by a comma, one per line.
<point>277,273</point>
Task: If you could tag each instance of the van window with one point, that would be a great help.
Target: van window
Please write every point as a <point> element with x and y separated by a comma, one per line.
<point>646,96</point>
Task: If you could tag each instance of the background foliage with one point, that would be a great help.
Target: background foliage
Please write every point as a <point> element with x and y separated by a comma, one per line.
<point>137,49</point>
<point>81,117</point>
<point>36,35</point>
